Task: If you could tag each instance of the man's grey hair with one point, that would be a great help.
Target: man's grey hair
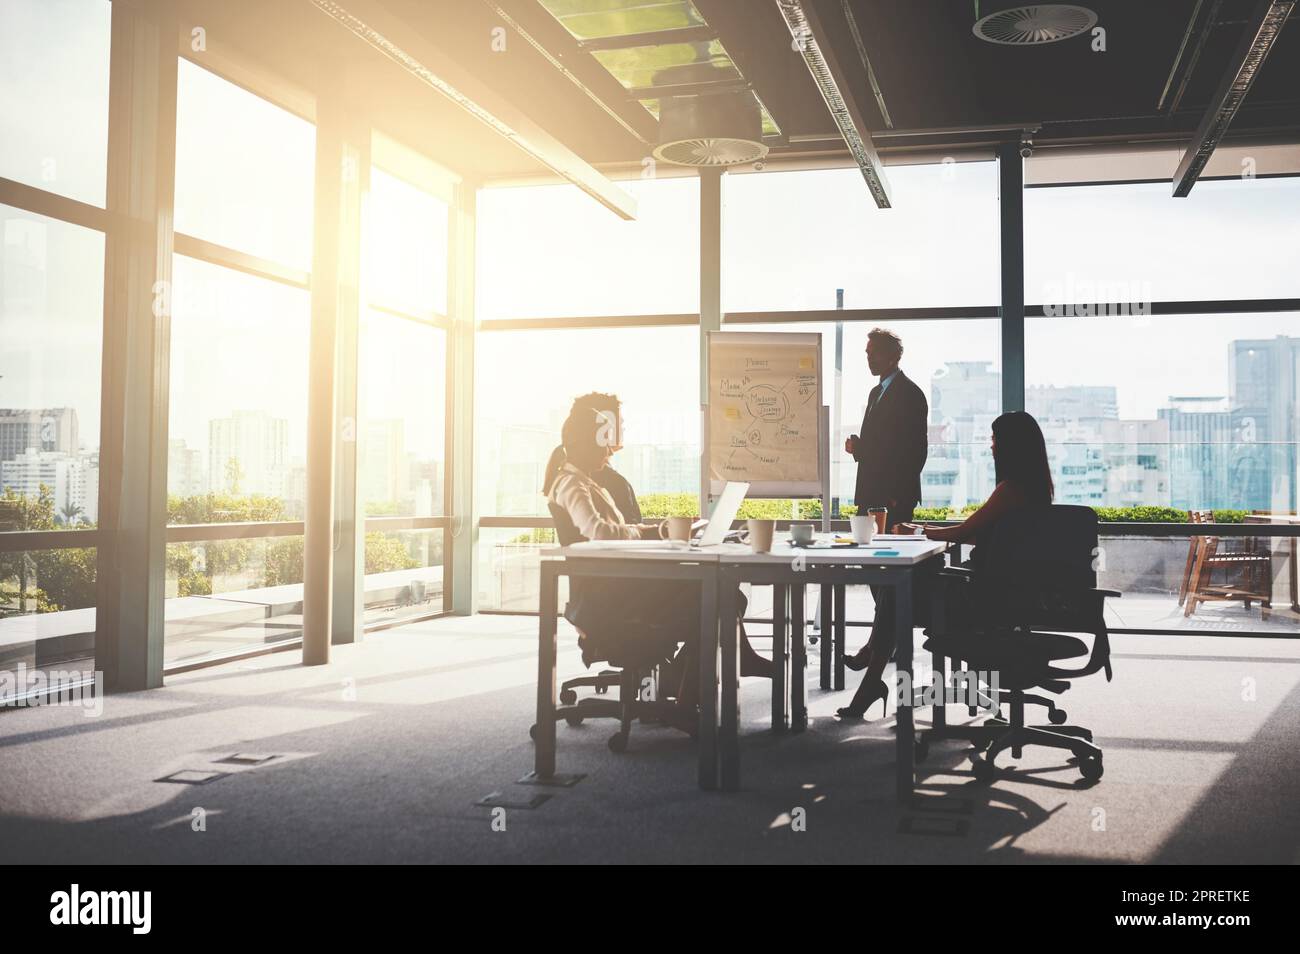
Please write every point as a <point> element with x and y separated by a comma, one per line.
<point>887,338</point>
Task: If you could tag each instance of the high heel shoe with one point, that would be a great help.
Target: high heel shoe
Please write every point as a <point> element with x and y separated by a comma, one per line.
<point>857,662</point>
<point>864,699</point>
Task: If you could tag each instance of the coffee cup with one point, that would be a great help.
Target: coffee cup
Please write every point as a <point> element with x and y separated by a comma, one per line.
<point>863,528</point>
<point>801,533</point>
<point>678,528</point>
<point>760,535</point>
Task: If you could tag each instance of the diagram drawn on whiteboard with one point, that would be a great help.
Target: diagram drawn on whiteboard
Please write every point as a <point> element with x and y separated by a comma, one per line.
<point>764,408</point>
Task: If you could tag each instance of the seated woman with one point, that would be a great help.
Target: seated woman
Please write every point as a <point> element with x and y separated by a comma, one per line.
<point>1023,479</point>
<point>618,618</point>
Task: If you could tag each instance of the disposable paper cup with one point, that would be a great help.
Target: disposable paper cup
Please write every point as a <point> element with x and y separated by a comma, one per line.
<point>801,533</point>
<point>760,535</point>
<point>679,528</point>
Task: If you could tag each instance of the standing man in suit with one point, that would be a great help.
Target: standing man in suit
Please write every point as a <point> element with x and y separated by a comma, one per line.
<point>890,451</point>
<point>892,445</point>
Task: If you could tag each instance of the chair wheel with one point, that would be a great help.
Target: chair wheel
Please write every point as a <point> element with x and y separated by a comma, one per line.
<point>984,768</point>
<point>573,720</point>
<point>568,697</point>
<point>1057,717</point>
<point>532,732</point>
<point>922,750</point>
<point>617,742</point>
<point>602,690</point>
<point>1091,768</point>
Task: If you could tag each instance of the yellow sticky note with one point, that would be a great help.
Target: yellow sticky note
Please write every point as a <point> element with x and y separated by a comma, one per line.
<point>805,362</point>
<point>733,414</point>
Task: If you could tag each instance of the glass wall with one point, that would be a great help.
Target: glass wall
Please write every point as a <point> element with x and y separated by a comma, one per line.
<point>1146,417</point>
<point>243,169</point>
<point>1234,238</point>
<point>237,438</point>
<point>792,238</point>
<point>54,130</point>
<point>54,113</point>
<point>547,251</point>
<point>51,314</point>
<point>1185,411</point>
<point>402,399</point>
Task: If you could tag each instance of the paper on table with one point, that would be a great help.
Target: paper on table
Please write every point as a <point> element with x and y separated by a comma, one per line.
<point>630,545</point>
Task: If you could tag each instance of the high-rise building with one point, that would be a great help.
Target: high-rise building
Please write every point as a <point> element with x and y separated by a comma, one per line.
<point>965,397</point>
<point>72,480</point>
<point>1135,456</point>
<point>186,476</point>
<point>1264,398</point>
<point>248,454</point>
<point>1200,440</point>
<point>41,429</point>
<point>384,475</point>
<point>1072,402</point>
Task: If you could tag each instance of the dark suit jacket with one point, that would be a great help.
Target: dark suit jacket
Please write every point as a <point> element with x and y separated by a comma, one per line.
<point>892,445</point>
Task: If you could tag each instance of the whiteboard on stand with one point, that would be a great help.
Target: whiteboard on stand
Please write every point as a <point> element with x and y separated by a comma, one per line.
<point>763,422</point>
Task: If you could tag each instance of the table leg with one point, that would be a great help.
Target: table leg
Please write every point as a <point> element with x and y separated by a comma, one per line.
<point>544,752</point>
<point>906,742</point>
<point>729,723</point>
<point>798,662</point>
<point>841,624</point>
<point>708,692</point>
<point>780,659</point>
<point>827,641</point>
<point>1295,575</point>
<point>938,622</point>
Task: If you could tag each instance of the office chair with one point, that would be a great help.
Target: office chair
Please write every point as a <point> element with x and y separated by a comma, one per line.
<point>1032,584</point>
<point>630,675</point>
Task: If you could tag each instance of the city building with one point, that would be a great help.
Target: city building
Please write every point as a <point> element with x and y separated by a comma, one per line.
<point>248,454</point>
<point>46,429</point>
<point>186,475</point>
<point>71,479</point>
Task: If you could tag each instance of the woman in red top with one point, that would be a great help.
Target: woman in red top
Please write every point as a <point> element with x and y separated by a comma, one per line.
<point>1024,479</point>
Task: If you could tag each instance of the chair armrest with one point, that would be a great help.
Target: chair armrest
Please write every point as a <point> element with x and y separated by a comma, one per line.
<point>1116,594</point>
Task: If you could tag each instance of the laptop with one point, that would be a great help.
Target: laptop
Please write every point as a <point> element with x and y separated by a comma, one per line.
<point>724,512</point>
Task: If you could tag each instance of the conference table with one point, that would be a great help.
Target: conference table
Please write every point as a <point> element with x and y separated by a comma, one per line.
<point>889,561</point>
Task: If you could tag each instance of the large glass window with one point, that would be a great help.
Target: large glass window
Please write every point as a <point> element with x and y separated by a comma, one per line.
<point>1229,239</point>
<point>402,399</point>
<point>406,247</point>
<point>1187,411</point>
<point>551,251</point>
<point>239,386</point>
<point>793,238</point>
<point>402,425</point>
<point>54,111</point>
<point>244,170</point>
<point>51,313</point>
<point>236,454</point>
<point>527,380</point>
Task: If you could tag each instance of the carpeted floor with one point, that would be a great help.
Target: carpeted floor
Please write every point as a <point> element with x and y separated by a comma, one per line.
<point>382,755</point>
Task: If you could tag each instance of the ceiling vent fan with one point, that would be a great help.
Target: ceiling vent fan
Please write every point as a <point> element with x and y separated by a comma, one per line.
<point>1035,24</point>
<point>716,129</point>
